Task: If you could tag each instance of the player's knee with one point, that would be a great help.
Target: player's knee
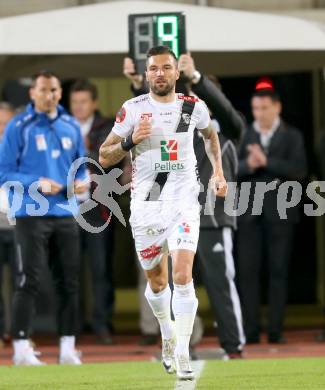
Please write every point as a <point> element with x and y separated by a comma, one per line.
<point>158,284</point>
<point>181,277</point>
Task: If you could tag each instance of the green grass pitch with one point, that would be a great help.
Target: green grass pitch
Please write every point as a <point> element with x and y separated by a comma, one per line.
<point>266,374</point>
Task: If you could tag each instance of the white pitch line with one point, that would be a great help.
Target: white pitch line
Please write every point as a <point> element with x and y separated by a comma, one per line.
<point>197,366</point>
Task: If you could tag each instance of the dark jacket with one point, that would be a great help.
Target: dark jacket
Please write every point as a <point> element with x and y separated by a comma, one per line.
<point>286,160</point>
<point>100,129</point>
<point>232,128</point>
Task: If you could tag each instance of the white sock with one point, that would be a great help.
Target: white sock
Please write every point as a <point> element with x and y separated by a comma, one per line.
<point>67,344</point>
<point>160,305</point>
<point>20,346</point>
<point>184,305</point>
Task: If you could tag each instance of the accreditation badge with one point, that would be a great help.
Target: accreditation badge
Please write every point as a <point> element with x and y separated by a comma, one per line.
<point>40,142</point>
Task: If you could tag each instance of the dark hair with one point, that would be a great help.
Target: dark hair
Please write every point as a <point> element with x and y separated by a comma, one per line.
<point>268,92</point>
<point>44,73</point>
<point>264,87</point>
<point>158,50</point>
<point>84,85</point>
<point>5,106</point>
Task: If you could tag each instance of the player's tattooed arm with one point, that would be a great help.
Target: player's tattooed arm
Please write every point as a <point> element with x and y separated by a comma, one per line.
<point>212,147</point>
<point>213,151</point>
<point>111,152</point>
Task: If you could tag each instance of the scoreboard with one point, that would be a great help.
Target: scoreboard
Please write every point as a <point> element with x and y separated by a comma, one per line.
<point>148,30</point>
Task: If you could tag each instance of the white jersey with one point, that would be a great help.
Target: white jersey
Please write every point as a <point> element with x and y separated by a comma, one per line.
<point>164,165</point>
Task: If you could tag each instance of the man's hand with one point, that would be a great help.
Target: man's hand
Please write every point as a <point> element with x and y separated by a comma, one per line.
<point>142,131</point>
<point>80,186</point>
<point>186,65</point>
<point>219,184</point>
<point>256,158</point>
<point>49,187</point>
<point>252,162</point>
<point>260,155</point>
<point>130,73</point>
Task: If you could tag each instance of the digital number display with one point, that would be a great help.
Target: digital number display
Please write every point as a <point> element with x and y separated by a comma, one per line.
<point>148,30</point>
<point>168,32</point>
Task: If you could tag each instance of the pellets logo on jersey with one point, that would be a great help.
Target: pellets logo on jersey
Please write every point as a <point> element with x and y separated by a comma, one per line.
<point>184,228</point>
<point>120,116</point>
<point>169,150</point>
<point>151,252</point>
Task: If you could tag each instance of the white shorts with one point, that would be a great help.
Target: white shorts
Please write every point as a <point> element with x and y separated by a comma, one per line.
<point>162,226</point>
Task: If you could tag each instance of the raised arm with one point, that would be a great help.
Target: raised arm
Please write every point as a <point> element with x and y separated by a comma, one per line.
<point>138,83</point>
<point>231,123</point>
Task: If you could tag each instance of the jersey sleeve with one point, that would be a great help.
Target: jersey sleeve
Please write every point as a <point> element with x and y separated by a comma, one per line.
<point>10,152</point>
<point>203,115</point>
<point>123,125</point>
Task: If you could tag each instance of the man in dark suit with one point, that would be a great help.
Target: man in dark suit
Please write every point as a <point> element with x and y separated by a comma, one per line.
<point>271,151</point>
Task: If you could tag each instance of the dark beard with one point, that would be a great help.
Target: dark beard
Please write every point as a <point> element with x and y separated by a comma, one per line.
<point>162,92</point>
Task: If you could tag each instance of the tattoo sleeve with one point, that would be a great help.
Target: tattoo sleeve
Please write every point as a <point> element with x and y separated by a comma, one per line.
<point>111,153</point>
<point>212,147</point>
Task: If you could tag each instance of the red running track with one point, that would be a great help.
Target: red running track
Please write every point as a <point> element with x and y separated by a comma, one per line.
<point>300,344</point>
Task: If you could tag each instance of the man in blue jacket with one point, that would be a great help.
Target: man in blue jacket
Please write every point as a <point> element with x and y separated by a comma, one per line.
<point>38,149</point>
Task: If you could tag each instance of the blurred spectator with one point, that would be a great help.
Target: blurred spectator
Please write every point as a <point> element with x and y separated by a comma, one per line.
<point>38,149</point>
<point>216,231</point>
<point>7,111</point>
<point>6,230</point>
<point>99,246</point>
<point>16,92</point>
<point>271,151</point>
